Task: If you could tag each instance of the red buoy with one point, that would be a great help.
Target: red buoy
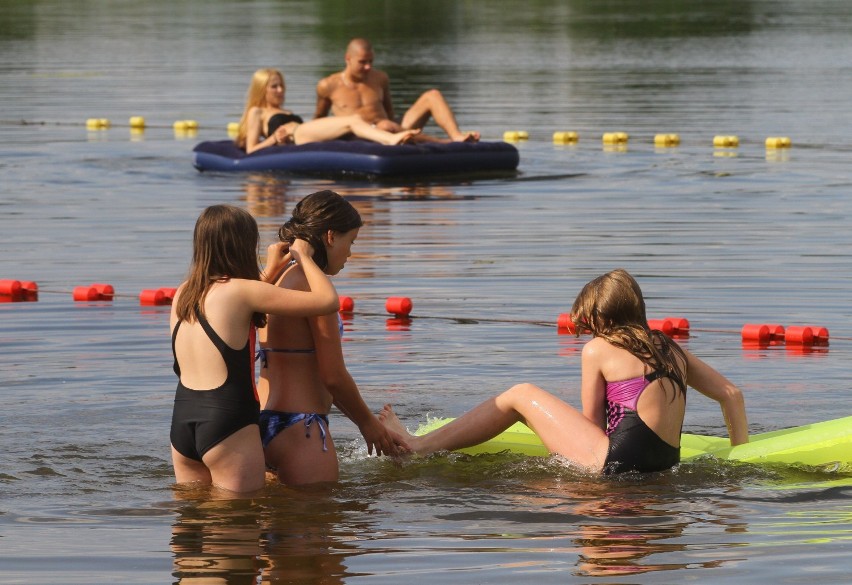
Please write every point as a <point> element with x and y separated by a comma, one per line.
<point>10,288</point>
<point>798,335</point>
<point>564,323</point>
<point>398,305</point>
<point>776,332</point>
<point>680,325</point>
<point>86,293</point>
<point>663,325</point>
<point>346,304</point>
<point>169,293</point>
<point>820,334</point>
<point>152,297</point>
<point>106,291</point>
<point>759,333</point>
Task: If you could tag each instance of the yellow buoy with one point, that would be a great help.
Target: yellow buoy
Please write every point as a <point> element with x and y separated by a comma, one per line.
<point>666,140</point>
<point>523,135</point>
<point>233,128</point>
<point>191,124</point>
<point>180,125</point>
<point>137,122</point>
<point>726,141</point>
<point>615,138</point>
<point>565,137</point>
<point>511,136</point>
<point>97,123</point>
<point>778,142</point>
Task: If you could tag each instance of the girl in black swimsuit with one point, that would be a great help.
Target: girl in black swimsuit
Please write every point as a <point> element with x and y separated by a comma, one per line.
<point>215,436</point>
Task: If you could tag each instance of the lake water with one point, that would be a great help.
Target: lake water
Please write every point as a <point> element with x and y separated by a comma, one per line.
<point>722,237</point>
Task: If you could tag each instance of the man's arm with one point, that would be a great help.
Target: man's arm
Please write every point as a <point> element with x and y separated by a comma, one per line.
<point>323,99</point>
<point>387,103</point>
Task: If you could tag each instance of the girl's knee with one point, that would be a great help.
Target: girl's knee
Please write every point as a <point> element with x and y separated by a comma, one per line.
<point>519,393</point>
<point>524,388</point>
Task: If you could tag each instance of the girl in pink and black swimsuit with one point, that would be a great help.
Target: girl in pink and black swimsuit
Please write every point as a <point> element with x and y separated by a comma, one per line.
<point>633,391</point>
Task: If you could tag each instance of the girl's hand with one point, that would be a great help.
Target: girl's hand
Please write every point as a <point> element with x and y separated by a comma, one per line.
<point>301,249</point>
<point>383,441</point>
<point>277,257</point>
<point>280,135</point>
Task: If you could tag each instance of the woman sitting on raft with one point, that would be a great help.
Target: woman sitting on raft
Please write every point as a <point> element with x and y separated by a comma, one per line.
<point>265,123</point>
<point>633,393</point>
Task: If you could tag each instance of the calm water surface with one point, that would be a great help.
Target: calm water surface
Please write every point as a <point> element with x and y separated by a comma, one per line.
<point>722,237</point>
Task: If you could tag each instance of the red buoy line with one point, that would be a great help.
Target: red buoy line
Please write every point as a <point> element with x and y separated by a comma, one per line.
<point>400,308</point>
<point>27,291</point>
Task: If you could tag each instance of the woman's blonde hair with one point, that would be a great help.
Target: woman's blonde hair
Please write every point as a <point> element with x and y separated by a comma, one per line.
<point>255,98</point>
<point>612,307</point>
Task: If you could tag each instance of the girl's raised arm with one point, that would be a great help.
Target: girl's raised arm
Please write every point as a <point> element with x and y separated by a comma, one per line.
<point>320,300</point>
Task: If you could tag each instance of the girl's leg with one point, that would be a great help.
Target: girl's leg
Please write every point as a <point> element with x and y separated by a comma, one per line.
<point>322,129</point>
<point>333,127</point>
<point>562,428</point>
<point>299,459</point>
<point>237,464</point>
<point>189,470</point>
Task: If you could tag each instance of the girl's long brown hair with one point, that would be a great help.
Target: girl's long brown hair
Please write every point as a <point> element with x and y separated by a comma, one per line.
<point>612,307</point>
<point>224,246</point>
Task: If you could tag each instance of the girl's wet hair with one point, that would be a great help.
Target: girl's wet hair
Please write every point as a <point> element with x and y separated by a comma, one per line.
<point>314,216</point>
<point>224,246</point>
<point>612,307</point>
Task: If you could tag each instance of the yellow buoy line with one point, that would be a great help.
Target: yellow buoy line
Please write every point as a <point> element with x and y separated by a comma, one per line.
<point>139,123</point>
<point>660,140</point>
<point>560,137</point>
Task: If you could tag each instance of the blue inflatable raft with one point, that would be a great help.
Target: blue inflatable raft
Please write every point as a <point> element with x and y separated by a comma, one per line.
<point>360,157</point>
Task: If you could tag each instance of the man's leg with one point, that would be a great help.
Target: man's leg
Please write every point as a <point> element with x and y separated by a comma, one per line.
<point>432,103</point>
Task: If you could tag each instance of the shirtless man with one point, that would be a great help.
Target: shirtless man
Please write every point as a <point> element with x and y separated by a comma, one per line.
<point>360,89</point>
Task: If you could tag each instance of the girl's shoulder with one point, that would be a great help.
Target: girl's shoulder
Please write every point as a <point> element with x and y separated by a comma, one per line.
<point>294,278</point>
<point>598,348</point>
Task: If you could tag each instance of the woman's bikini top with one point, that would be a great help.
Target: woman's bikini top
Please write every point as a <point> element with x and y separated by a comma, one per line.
<point>278,120</point>
<point>263,352</point>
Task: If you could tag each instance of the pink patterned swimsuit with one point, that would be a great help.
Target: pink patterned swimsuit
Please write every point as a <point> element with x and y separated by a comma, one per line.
<point>633,446</point>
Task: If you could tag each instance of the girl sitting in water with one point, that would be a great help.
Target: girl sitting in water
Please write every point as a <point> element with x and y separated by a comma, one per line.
<point>265,123</point>
<point>633,393</point>
<point>302,369</point>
